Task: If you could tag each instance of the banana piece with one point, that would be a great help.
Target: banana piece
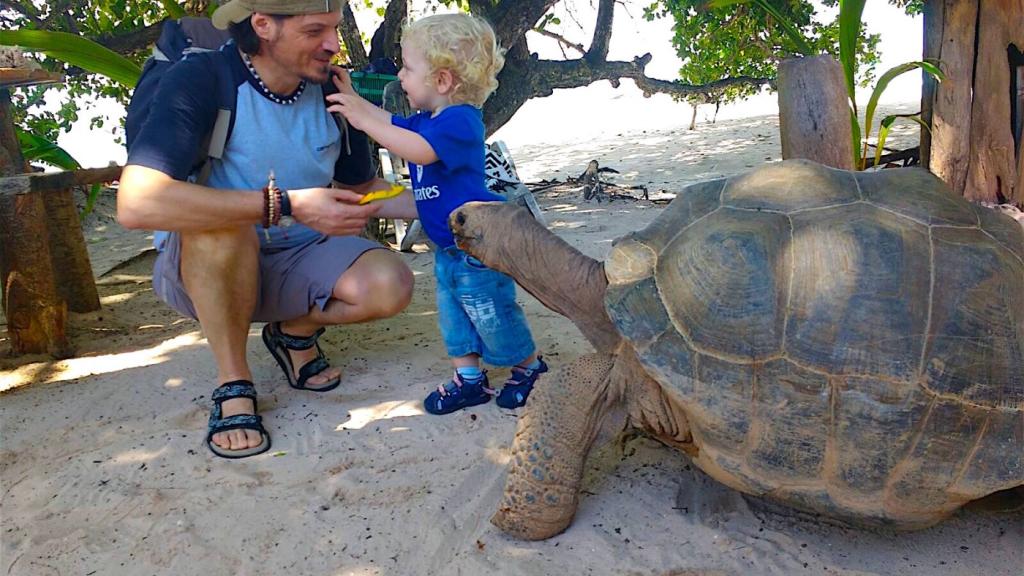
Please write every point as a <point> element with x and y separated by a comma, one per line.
<point>376,195</point>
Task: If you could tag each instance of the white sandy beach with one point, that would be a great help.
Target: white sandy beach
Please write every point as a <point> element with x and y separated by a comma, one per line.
<point>104,471</point>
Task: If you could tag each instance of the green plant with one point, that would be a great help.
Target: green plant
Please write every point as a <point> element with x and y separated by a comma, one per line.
<point>850,37</point>
<point>39,149</point>
<point>76,51</point>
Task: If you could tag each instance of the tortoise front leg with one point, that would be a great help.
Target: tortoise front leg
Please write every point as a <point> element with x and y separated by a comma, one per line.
<point>555,434</point>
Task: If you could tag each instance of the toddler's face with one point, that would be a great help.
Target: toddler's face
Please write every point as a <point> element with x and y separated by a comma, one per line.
<point>417,81</point>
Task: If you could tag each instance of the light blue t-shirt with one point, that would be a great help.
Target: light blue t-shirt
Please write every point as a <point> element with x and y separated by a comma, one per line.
<point>300,142</point>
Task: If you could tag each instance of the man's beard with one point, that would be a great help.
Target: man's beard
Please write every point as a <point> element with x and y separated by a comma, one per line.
<point>323,72</point>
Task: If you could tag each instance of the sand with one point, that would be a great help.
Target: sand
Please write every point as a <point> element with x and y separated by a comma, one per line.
<point>104,470</point>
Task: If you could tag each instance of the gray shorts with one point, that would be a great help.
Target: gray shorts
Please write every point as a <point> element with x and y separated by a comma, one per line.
<point>292,280</point>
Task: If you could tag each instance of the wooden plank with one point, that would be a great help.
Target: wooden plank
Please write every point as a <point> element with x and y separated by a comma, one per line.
<point>950,149</point>
<point>992,173</point>
<point>57,181</point>
<point>11,77</point>
<point>814,117</point>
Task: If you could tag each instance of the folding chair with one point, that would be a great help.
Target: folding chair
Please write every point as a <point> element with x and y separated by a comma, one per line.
<point>502,179</point>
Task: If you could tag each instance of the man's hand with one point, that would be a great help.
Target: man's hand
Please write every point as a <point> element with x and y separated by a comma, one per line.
<point>331,211</point>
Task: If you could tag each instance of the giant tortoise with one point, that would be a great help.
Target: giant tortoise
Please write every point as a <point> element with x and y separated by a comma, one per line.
<point>850,344</point>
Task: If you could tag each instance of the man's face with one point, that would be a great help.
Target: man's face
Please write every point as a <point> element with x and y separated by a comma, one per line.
<point>304,45</point>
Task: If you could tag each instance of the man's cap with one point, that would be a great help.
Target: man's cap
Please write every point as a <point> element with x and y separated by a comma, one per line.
<point>235,11</point>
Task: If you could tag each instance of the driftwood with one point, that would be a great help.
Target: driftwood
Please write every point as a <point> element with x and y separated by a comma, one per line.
<point>901,158</point>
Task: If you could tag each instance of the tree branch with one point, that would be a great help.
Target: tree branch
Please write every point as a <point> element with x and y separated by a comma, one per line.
<point>562,40</point>
<point>385,42</point>
<point>530,77</point>
<point>352,38</point>
<point>602,32</point>
<point>512,18</point>
<point>133,41</point>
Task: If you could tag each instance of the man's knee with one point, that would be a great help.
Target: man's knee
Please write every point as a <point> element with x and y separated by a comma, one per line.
<point>218,247</point>
<point>382,282</point>
<point>392,286</point>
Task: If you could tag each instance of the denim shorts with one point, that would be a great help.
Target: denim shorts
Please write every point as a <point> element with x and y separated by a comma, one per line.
<point>477,310</point>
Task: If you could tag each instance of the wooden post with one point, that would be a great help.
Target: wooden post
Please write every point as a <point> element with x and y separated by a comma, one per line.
<point>36,315</point>
<point>814,111</point>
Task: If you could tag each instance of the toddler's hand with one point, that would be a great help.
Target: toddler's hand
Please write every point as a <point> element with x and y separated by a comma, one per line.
<point>342,81</point>
<point>359,112</point>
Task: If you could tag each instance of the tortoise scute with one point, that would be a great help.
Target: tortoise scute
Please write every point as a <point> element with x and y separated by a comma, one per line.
<point>722,411</point>
<point>916,194</point>
<point>726,281</point>
<point>931,468</point>
<point>861,283</point>
<point>1003,229</point>
<point>872,412</point>
<point>975,349</point>
<point>791,422</point>
<point>788,186</point>
<point>629,261</point>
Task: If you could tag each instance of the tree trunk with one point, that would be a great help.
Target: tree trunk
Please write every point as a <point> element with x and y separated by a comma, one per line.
<point>693,118</point>
<point>992,175</point>
<point>971,146</point>
<point>814,117</point>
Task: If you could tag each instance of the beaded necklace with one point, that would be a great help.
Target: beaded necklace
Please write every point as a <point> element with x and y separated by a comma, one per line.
<point>286,100</point>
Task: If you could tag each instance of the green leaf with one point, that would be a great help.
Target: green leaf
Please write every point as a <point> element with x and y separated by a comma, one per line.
<point>850,12</point>
<point>886,124</point>
<point>77,51</point>
<point>855,132</point>
<point>173,9</point>
<point>885,79</point>
<point>37,148</point>
<point>791,30</point>
<point>90,201</point>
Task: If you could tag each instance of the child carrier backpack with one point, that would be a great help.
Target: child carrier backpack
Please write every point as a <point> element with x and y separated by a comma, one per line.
<point>178,39</point>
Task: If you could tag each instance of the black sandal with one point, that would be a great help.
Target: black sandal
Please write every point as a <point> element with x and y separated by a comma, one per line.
<point>279,343</point>
<point>229,391</point>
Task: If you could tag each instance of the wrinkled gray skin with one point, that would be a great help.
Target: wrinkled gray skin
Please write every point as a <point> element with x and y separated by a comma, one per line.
<point>850,344</point>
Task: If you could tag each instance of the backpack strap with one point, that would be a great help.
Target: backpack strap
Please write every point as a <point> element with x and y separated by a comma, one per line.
<point>329,88</point>
<point>225,122</point>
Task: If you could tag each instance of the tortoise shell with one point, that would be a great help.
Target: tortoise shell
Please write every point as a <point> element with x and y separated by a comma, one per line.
<point>848,342</point>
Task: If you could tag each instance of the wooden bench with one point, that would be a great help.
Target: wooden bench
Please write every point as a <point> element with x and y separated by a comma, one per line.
<point>44,266</point>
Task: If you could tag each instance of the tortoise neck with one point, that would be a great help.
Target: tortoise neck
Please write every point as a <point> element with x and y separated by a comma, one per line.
<point>566,281</point>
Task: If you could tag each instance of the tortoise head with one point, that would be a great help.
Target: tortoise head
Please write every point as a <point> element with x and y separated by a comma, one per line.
<point>497,233</point>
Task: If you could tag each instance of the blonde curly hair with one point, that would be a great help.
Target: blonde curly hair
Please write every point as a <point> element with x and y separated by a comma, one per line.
<point>463,44</point>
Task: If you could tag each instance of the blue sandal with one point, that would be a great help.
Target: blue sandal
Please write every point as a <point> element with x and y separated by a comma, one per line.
<point>519,385</point>
<point>229,391</point>
<point>457,394</point>
<point>279,343</point>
